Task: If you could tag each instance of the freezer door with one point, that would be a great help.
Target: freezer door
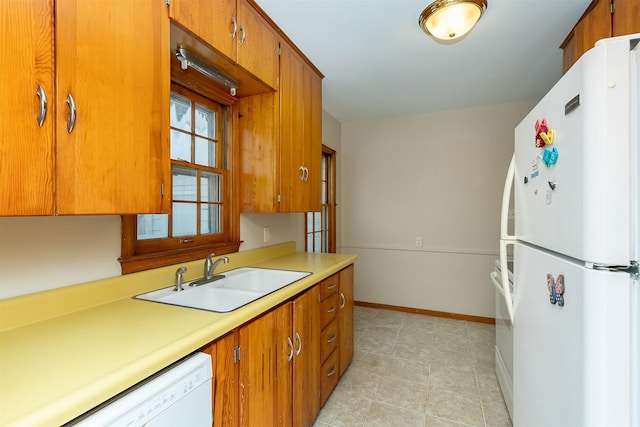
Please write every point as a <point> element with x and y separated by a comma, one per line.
<point>579,203</point>
<point>572,339</point>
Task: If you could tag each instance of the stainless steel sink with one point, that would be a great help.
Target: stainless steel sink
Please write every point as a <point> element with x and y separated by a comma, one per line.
<point>239,287</point>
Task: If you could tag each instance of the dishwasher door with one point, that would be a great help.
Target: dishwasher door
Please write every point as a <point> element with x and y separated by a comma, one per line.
<point>179,395</point>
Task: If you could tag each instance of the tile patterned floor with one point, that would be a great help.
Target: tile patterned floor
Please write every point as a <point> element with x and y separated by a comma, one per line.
<point>416,370</point>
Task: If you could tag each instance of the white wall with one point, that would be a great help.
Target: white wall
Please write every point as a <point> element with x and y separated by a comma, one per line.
<point>436,176</point>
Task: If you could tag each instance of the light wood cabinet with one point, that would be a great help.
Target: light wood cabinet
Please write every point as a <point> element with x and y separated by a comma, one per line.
<point>281,141</point>
<point>267,371</point>
<point>109,109</point>
<point>226,402</point>
<point>300,134</point>
<point>345,317</point>
<point>336,344</point>
<point>26,147</point>
<point>235,28</point>
<point>601,19</point>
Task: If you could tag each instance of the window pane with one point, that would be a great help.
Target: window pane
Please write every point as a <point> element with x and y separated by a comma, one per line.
<point>153,226</point>
<point>210,219</point>
<point>210,187</point>
<point>184,219</point>
<point>180,112</point>
<point>184,184</point>
<point>317,226</point>
<point>180,146</point>
<point>323,195</point>
<point>205,122</point>
<point>205,152</point>
<point>309,222</point>
<point>325,241</point>
<point>310,242</point>
<point>317,245</point>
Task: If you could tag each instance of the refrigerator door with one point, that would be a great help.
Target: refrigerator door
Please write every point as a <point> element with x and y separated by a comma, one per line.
<point>572,339</point>
<point>578,203</point>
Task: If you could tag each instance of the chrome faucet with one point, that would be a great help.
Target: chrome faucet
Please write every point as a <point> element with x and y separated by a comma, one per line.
<point>179,274</point>
<point>210,267</point>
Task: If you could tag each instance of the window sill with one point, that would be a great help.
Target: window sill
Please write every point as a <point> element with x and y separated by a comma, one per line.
<point>134,263</point>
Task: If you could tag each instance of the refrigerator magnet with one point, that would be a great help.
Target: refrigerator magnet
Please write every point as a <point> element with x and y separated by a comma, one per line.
<point>556,289</point>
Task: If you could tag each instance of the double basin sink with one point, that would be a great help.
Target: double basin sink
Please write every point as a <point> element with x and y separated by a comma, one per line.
<point>239,287</point>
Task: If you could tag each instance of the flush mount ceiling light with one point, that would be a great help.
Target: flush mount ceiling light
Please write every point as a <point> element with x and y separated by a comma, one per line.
<point>448,20</point>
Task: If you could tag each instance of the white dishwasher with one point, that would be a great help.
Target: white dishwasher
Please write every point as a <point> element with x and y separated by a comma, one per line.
<point>177,396</point>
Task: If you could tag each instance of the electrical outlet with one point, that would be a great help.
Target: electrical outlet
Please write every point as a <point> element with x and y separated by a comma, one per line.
<point>267,233</point>
<point>419,241</point>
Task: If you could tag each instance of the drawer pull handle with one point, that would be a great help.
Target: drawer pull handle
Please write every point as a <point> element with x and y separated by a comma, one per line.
<point>332,309</point>
<point>332,371</point>
<point>331,287</point>
<point>332,339</point>
<point>343,300</point>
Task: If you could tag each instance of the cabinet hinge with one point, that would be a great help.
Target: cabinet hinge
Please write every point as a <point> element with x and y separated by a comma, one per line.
<point>278,198</point>
<point>167,2</point>
<point>236,354</point>
<point>162,189</point>
<point>613,6</point>
<point>278,51</point>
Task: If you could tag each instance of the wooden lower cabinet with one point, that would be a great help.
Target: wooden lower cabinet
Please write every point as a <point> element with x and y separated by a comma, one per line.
<point>280,368</point>
<point>345,318</point>
<point>266,373</point>
<point>336,343</point>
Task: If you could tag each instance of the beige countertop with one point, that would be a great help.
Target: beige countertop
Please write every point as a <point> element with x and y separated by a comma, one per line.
<point>64,351</point>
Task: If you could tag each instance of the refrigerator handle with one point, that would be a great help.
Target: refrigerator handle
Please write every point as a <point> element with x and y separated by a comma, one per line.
<point>506,196</point>
<point>505,277</point>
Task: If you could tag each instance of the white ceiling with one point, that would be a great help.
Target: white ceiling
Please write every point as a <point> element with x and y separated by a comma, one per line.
<point>378,63</point>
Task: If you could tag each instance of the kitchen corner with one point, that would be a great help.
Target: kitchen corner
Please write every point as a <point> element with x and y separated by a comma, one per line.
<point>64,351</point>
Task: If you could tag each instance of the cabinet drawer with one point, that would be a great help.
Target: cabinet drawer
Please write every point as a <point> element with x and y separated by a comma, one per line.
<point>328,287</point>
<point>329,375</point>
<point>329,309</point>
<point>328,340</point>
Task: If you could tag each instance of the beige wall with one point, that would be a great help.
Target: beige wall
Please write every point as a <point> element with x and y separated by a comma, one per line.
<point>41,253</point>
<point>436,176</point>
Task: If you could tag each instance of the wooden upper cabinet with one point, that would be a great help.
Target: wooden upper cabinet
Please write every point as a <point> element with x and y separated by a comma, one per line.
<point>26,147</point>
<point>601,19</point>
<point>112,61</point>
<point>257,44</point>
<point>300,133</point>
<point>234,28</point>
<point>211,20</point>
<point>626,17</point>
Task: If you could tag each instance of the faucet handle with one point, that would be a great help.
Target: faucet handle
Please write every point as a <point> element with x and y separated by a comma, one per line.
<point>179,274</point>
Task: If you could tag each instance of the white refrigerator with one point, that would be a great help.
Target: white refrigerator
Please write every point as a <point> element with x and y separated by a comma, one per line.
<point>576,292</point>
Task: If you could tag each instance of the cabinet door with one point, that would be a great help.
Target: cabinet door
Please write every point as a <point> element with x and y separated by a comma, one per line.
<point>594,26</point>
<point>291,131</point>
<point>313,139</point>
<point>626,17</point>
<point>226,406</point>
<point>260,391</point>
<point>214,21</point>
<point>112,59</point>
<point>26,149</point>
<point>306,361</point>
<point>345,318</point>
<point>257,45</point>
